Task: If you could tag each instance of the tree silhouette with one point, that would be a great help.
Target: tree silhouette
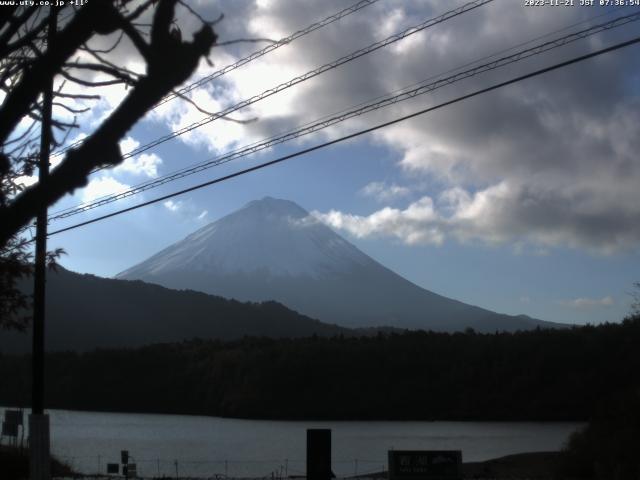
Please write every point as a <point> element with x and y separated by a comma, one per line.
<point>635,304</point>
<point>169,62</point>
<point>14,265</point>
<point>27,65</point>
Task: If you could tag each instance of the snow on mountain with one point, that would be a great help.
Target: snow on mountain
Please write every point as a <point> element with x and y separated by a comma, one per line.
<point>269,235</point>
<point>273,249</point>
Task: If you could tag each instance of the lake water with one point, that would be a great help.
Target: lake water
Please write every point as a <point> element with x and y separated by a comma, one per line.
<point>210,446</point>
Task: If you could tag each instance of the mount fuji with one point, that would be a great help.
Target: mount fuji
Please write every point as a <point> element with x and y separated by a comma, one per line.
<point>273,249</point>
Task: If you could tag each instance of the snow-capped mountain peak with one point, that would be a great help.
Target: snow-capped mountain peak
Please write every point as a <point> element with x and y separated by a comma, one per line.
<point>270,236</point>
<point>275,250</point>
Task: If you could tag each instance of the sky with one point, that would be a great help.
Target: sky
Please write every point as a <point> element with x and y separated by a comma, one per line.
<point>521,200</point>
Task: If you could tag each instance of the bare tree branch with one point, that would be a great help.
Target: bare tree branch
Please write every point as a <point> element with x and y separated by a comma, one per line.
<point>91,83</point>
<point>71,109</point>
<point>106,50</point>
<point>15,22</point>
<point>208,113</point>
<point>123,75</point>
<point>78,96</point>
<point>170,62</point>
<point>22,41</point>
<point>93,17</point>
<point>246,40</point>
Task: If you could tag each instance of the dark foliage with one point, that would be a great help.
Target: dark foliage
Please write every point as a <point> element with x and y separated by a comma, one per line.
<point>609,446</point>
<point>28,63</point>
<point>536,375</point>
<point>15,464</point>
<point>30,59</point>
<point>14,266</point>
<point>635,305</point>
<point>16,269</point>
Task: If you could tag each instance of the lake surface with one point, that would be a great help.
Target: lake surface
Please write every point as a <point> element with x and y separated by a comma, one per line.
<point>209,446</point>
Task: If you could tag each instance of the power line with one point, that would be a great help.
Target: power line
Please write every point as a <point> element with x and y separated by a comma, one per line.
<point>358,133</point>
<point>195,168</point>
<point>354,55</point>
<point>251,57</point>
<point>269,48</point>
<point>361,109</point>
<point>327,120</point>
<point>310,74</point>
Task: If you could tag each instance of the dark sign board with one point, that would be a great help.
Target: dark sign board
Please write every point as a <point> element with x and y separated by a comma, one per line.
<point>9,429</point>
<point>13,416</point>
<point>124,457</point>
<point>113,468</point>
<point>319,454</point>
<point>129,470</point>
<point>424,464</point>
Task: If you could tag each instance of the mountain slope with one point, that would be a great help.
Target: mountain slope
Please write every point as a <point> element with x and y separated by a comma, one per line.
<point>273,249</point>
<point>86,312</point>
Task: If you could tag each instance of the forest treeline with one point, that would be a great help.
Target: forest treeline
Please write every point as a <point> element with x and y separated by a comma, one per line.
<point>534,375</point>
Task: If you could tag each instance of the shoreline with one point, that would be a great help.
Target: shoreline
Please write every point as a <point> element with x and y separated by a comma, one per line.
<point>527,465</point>
<point>530,465</point>
<point>9,405</point>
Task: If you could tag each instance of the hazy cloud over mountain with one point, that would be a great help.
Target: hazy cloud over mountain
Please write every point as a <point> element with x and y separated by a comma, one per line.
<point>551,161</point>
<point>550,166</point>
<point>588,303</point>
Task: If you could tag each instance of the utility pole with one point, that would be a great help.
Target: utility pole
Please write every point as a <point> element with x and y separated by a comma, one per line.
<point>39,444</point>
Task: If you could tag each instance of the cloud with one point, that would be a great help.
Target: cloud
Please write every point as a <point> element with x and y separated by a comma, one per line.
<point>173,206</point>
<point>186,210</point>
<point>588,303</point>
<point>383,192</point>
<point>27,180</point>
<point>284,110</point>
<point>419,223</point>
<point>505,213</point>
<point>551,161</point>
<point>102,186</point>
<point>145,164</point>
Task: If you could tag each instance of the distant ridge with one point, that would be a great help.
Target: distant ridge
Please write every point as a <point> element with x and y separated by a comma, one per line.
<point>85,312</point>
<point>273,249</point>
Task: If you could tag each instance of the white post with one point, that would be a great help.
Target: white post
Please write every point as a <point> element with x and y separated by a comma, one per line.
<point>39,459</point>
